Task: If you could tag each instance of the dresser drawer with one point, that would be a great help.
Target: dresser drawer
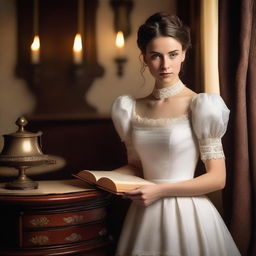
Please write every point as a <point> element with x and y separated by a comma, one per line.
<point>63,235</point>
<point>63,219</point>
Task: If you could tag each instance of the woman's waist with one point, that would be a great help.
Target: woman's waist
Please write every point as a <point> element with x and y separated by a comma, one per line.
<point>165,174</point>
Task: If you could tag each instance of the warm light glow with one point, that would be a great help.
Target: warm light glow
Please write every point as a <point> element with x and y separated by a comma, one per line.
<point>209,45</point>
<point>78,50</point>
<point>35,50</point>
<point>120,39</point>
<point>77,47</point>
<point>26,146</point>
<point>35,46</point>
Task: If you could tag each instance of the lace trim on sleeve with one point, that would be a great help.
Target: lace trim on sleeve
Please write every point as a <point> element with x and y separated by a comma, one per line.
<point>211,148</point>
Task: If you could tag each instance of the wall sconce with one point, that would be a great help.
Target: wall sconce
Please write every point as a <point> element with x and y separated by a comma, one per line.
<point>35,46</point>
<point>120,59</point>
<point>35,59</point>
<point>78,58</point>
<point>52,70</point>
<point>122,10</point>
<point>78,50</point>
<point>78,54</point>
<point>35,50</point>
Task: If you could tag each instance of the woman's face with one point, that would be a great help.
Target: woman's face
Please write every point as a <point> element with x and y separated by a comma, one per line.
<point>163,57</point>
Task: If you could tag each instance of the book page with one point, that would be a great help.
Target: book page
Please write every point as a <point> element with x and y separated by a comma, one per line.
<point>99,174</point>
<point>119,182</point>
<point>112,180</point>
<point>91,176</point>
<point>122,178</point>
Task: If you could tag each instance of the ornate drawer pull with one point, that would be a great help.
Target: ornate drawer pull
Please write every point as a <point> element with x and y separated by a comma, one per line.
<point>74,237</point>
<point>39,240</point>
<point>39,222</point>
<point>73,219</point>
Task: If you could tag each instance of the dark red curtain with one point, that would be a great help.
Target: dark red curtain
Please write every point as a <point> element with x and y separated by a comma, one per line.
<point>237,67</point>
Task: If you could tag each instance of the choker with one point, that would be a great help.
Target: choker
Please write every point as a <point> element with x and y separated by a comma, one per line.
<point>167,92</point>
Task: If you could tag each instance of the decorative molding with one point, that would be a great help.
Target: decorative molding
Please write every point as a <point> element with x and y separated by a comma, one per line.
<point>40,222</point>
<point>74,219</point>
<point>74,237</point>
<point>39,240</point>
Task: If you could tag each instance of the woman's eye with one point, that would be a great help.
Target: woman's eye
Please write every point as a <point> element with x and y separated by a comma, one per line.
<point>155,56</point>
<point>173,54</point>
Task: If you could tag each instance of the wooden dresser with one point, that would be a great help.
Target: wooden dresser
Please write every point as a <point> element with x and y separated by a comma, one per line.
<point>60,218</point>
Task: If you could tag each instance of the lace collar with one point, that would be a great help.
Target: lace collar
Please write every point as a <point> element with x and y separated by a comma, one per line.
<point>167,92</point>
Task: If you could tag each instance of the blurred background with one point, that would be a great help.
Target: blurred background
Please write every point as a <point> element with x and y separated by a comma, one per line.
<point>63,62</point>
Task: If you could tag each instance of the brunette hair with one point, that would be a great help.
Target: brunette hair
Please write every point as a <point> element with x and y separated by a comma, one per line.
<point>163,24</point>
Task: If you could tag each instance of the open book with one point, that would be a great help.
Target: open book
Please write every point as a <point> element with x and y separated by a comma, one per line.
<point>112,181</point>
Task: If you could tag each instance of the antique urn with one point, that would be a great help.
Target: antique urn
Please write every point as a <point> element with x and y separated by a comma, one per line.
<point>22,150</point>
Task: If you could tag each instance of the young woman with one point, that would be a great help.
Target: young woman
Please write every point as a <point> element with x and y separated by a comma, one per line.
<point>164,134</point>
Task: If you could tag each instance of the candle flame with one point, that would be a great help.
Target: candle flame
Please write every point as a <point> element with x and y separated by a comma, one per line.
<point>36,43</point>
<point>120,39</point>
<point>77,47</point>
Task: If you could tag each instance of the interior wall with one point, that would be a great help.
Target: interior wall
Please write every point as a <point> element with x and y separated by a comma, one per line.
<point>15,96</point>
<point>132,81</point>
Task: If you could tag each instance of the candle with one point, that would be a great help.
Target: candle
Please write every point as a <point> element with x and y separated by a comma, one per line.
<point>78,50</point>
<point>35,50</point>
<point>120,44</point>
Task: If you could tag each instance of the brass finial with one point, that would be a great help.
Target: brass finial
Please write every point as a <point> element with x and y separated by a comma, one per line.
<point>21,123</point>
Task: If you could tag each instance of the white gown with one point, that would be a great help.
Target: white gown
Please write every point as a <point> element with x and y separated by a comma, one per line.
<point>168,150</point>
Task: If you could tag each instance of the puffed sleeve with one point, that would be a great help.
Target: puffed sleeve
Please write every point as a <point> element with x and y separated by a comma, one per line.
<point>209,119</point>
<point>122,110</point>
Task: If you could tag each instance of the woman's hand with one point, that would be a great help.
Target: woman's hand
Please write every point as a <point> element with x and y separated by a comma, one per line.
<point>145,195</point>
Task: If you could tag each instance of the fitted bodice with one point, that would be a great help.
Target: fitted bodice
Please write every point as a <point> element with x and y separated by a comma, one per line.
<point>168,148</point>
<point>168,152</point>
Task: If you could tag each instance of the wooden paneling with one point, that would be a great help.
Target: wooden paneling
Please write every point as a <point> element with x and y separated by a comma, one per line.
<point>83,143</point>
